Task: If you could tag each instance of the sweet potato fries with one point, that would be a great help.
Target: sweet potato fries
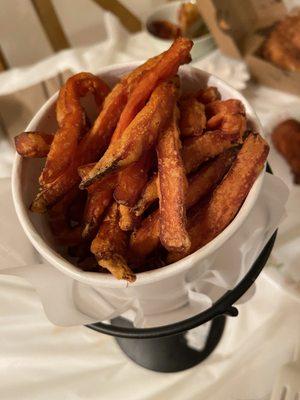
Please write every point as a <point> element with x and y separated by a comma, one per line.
<point>161,172</point>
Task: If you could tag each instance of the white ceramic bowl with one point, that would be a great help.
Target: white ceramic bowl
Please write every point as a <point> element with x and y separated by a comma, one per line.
<point>25,184</point>
<point>202,45</point>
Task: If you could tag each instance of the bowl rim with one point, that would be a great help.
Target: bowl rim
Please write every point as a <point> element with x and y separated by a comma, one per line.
<point>173,4</point>
<point>107,280</point>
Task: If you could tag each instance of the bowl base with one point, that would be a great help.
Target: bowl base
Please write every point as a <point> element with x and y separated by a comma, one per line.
<point>171,353</point>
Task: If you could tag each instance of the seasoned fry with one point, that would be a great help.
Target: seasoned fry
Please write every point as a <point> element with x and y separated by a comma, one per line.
<point>148,196</point>
<point>93,144</point>
<point>72,124</point>
<point>197,150</point>
<point>97,203</point>
<point>172,186</point>
<point>110,246</point>
<point>228,197</point>
<point>128,219</point>
<point>139,136</point>
<point>33,144</point>
<point>192,117</point>
<point>231,106</point>
<point>176,55</point>
<point>146,239</point>
<point>208,95</point>
<point>228,123</point>
<point>132,180</point>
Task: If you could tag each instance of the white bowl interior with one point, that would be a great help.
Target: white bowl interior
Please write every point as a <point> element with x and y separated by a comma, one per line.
<point>25,186</point>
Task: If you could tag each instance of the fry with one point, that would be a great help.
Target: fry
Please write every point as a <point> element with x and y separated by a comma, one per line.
<point>93,144</point>
<point>132,180</point>
<point>96,204</point>
<point>127,220</point>
<point>192,117</point>
<point>197,150</point>
<point>146,239</point>
<point>177,54</point>
<point>228,197</point>
<point>72,123</point>
<point>208,95</point>
<point>33,144</point>
<point>110,246</point>
<point>228,123</point>
<point>148,196</point>
<point>172,185</point>
<point>231,106</point>
<point>139,136</point>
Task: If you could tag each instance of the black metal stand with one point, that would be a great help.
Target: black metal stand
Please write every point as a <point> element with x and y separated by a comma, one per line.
<point>164,348</point>
<point>171,353</point>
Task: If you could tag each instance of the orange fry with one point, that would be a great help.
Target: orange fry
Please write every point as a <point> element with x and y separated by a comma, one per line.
<point>208,95</point>
<point>93,144</point>
<point>231,106</point>
<point>96,204</point>
<point>176,55</point>
<point>132,180</point>
<point>228,123</point>
<point>140,136</point>
<point>146,239</point>
<point>72,123</point>
<point>110,246</point>
<point>128,220</point>
<point>172,185</point>
<point>197,150</point>
<point>149,195</point>
<point>228,197</point>
<point>192,117</point>
<point>33,144</point>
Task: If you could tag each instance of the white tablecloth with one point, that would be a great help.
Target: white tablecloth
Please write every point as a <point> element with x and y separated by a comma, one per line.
<point>41,361</point>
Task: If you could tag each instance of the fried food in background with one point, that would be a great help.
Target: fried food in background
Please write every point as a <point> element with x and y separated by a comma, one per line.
<point>190,24</point>
<point>164,29</point>
<point>151,154</point>
<point>286,139</point>
<point>282,47</point>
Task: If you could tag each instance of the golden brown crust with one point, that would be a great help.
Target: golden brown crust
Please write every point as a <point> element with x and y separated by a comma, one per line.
<point>128,219</point>
<point>146,239</point>
<point>110,246</point>
<point>132,180</point>
<point>197,150</point>
<point>228,197</point>
<point>208,95</point>
<point>72,122</point>
<point>282,47</point>
<point>172,186</point>
<point>148,196</point>
<point>230,106</point>
<point>192,117</point>
<point>94,143</point>
<point>286,138</point>
<point>33,144</point>
<point>140,136</point>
